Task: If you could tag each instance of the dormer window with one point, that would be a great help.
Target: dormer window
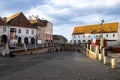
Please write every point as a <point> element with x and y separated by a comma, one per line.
<point>110,28</point>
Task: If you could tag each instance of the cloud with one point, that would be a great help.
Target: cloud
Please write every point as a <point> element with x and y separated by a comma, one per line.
<point>14,6</point>
<point>66,14</point>
<point>85,3</point>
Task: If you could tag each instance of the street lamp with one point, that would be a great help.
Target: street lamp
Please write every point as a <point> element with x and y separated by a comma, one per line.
<point>101,41</point>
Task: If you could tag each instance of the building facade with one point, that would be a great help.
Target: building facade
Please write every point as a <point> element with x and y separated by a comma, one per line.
<point>84,34</point>
<point>24,35</point>
<point>44,31</point>
<point>3,32</point>
<point>49,33</point>
<point>25,32</point>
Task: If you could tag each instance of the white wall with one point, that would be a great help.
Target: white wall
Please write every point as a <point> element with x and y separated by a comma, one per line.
<point>90,36</point>
<point>3,32</point>
<point>23,32</point>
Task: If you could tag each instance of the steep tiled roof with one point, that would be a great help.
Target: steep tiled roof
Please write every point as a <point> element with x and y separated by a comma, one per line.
<point>93,29</point>
<point>12,17</point>
<point>2,22</point>
<point>18,19</point>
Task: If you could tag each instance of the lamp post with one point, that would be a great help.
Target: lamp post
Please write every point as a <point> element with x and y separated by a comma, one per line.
<point>101,41</point>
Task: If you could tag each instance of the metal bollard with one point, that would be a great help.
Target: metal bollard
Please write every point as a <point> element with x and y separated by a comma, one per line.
<point>100,57</point>
<point>113,63</point>
<point>104,60</point>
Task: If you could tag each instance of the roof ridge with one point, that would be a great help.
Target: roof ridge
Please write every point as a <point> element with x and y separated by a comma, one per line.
<point>13,16</point>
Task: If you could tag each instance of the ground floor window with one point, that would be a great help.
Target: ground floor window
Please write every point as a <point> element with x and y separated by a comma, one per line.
<point>19,40</point>
<point>26,40</point>
<point>32,41</point>
<point>4,38</point>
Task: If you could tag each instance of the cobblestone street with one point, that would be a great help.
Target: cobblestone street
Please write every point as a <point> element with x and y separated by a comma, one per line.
<point>55,66</point>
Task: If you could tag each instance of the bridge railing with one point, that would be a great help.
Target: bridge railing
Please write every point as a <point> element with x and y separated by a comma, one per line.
<point>94,53</point>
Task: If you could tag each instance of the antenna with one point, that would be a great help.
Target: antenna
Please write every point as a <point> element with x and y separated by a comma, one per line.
<point>36,17</point>
<point>30,17</point>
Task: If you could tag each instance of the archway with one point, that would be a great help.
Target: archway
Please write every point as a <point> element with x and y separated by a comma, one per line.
<point>4,38</point>
<point>32,41</point>
<point>26,40</point>
<point>19,40</point>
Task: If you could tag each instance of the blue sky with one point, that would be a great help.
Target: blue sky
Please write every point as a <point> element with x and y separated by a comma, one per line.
<point>65,14</point>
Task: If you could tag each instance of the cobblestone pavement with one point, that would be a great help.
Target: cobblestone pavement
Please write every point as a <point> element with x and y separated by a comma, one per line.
<point>55,66</point>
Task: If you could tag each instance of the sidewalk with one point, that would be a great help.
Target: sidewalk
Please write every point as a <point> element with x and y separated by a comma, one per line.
<point>117,57</point>
<point>64,65</point>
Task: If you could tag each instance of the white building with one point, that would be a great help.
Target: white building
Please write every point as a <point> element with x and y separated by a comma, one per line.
<point>84,34</point>
<point>37,31</point>
<point>25,31</point>
<point>3,31</point>
<point>24,34</point>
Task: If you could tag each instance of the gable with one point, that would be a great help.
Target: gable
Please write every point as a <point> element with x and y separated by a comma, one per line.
<point>18,19</point>
<point>2,22</point>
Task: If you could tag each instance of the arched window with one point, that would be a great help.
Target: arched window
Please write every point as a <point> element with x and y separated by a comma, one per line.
<point>4,38</point>
<point>32,41</point>
<point>19,40</point>
<point>26,40</point>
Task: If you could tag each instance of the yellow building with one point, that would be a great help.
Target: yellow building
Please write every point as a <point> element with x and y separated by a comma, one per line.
<point>83,34</point>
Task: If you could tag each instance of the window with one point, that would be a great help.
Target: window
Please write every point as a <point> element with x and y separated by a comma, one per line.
<point>79,41</point>
<point>74,36</point>
<point>19,30</point>
<point>83,40</point>
<point>113,35</point>
<point>89,36</point>
<point>89,41</point>
<point>100,35</point>
<point>4,29</point>
<point>79,36</point>
<point>32,31</point>
<point>83,35</point>
<point>74,41</point>
<point>106,35</point>
<point>27,31</point>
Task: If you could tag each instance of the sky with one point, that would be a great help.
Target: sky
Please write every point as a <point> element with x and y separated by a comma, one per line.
<point>65,14</point>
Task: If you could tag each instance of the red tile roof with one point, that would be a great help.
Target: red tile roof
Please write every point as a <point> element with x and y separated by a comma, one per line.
<point>19,19</point>
<point>2,22</point>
